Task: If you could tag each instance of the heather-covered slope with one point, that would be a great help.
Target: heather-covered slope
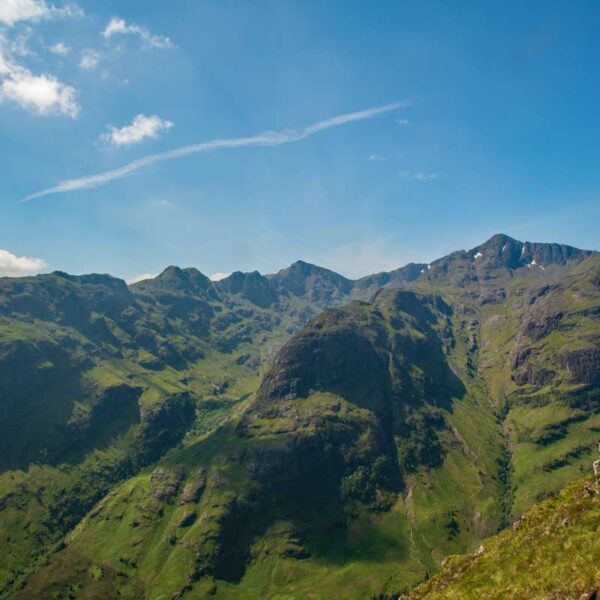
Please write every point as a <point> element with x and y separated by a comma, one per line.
<point>553,551</point>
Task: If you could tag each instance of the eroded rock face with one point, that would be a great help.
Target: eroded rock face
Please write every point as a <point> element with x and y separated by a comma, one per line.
<point>583,365</point>
<point>534,376</point>
<point>166,482</point>
<point>192,491</point>
<point>541,324</point>
<point>321,360</point>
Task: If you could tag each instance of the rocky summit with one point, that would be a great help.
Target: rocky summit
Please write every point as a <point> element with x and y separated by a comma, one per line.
<point>301,434</point>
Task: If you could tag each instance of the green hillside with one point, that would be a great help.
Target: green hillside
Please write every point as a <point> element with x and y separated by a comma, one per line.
<point>354,460</point>
<point>553,551</point>
<point>273,437</point>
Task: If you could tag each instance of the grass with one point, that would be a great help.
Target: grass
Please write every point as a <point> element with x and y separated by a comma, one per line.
<point>553,553</point>
<point>491,440</point>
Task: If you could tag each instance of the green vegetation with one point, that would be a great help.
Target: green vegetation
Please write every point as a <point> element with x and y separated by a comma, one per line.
<point>553,551</point>
<point>184,439</point>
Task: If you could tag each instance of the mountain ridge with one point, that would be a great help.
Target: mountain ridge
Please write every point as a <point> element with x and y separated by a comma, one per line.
<point>118,381</point>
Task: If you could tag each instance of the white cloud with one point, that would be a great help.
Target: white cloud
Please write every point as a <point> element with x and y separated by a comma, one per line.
<point>59,49</point>
<point>40,94</point>
<point>89,59</point>
<point>142,127</point>
<point>219,276</point>
<point>18,266</point>
<point>418,175</point>
<point>14,11</point>
<point>376,157</point>
<point>121,27</point>
<point>402,121</point>
<point>140,277</point>
<point>267,138</point>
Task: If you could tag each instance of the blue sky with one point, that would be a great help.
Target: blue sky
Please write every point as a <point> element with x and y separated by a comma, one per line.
<point>496,129</point>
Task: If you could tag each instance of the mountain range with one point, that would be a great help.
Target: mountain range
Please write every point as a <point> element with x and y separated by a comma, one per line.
<point>294,435</point>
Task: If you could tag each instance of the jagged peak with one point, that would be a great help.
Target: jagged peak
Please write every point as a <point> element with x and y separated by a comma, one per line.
<point>301,267</point>
<point>175,278</point>
<point>253,286</point>
<point>515,253</point>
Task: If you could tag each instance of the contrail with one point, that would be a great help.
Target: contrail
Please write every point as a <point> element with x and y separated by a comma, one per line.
<point>267,138</point>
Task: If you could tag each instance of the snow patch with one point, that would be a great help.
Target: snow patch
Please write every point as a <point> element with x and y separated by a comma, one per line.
<point>478,255</point>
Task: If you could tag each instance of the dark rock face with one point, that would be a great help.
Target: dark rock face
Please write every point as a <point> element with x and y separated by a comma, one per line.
<point>542,324</point>
<point>331,360</point>
<point>534,376</point>
<point>494,297</point>
<point>583,365</point>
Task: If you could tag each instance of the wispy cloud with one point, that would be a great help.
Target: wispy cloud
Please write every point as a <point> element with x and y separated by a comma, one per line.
<point>60,49</point>
<point>89,59</point>
<point>267,138</point>
<point>402,121</point>
<point>14,11</point>
<point>121,27</point>
<point>142,127</point>
<point>419,175</point>
<point>376,157</point>
<point>18,266</point>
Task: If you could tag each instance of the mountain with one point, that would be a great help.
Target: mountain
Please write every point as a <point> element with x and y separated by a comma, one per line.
<point>311,474</point>
<point>365,287</point>
<point>319,286</point>
<point>194,428</point>
<point>552,551</point>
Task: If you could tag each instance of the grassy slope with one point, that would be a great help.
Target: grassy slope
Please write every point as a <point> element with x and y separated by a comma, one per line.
<point>540,463</point>
<point>466,491</point>
<point>217,382</point>
<point>443,510</point>
<point>552,553</point>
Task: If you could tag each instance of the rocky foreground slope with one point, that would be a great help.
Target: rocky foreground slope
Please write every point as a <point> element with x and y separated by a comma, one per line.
<point>157,443</point>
